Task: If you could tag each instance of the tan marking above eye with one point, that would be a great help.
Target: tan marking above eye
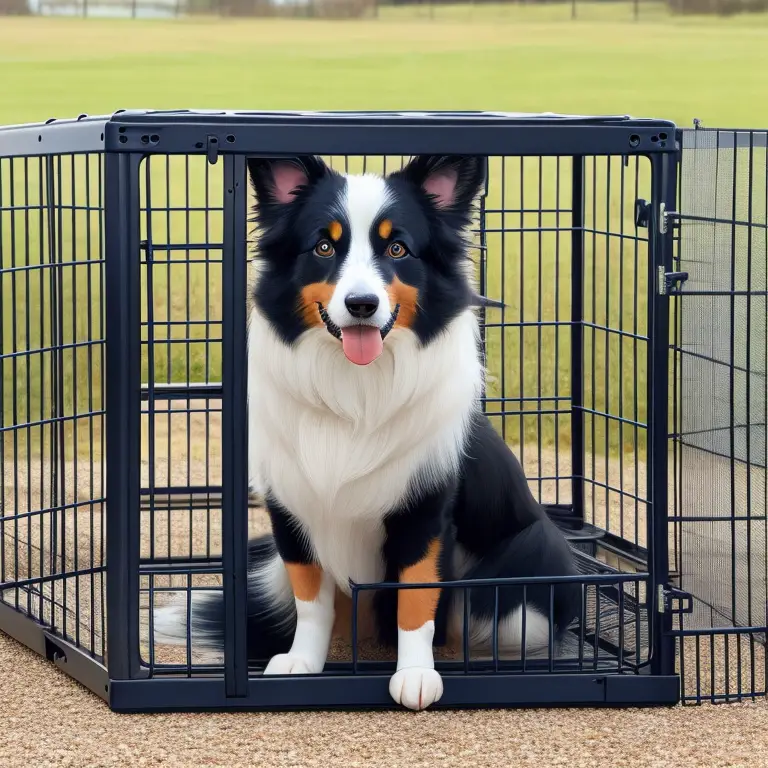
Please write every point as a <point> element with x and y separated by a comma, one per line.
<point>385,229</point>
<point>335,230</point>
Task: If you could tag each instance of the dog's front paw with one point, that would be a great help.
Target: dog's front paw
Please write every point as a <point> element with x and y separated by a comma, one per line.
<point>416,687</point>
<point>287,664</point>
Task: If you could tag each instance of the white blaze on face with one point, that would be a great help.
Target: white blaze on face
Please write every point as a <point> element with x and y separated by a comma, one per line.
<point>362,202</point>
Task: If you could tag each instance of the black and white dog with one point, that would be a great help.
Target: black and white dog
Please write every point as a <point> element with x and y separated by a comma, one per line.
<point>366,433</point>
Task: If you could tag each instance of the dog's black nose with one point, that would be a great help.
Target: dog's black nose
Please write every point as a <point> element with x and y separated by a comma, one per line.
<point>362,305</point>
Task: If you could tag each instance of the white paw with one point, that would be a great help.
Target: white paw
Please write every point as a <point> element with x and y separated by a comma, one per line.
<point>416,687</point>
<point>286,664</point>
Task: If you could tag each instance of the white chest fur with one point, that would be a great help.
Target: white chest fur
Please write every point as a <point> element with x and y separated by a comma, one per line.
<point>341,445</point>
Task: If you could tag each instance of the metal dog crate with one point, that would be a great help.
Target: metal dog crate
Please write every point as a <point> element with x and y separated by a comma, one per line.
<point>627,370</point>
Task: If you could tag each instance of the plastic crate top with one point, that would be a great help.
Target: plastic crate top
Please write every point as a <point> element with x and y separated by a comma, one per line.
<point>340,132</point>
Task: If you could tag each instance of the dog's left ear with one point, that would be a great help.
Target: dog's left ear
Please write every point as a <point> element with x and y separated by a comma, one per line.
<point>451,181</point>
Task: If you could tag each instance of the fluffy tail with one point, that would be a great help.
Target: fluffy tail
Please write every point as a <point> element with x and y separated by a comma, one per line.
<point>271,610</point>
<point>539,550</point>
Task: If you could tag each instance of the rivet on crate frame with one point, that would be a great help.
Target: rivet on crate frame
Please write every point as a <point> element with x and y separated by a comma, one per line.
<point>623,263</point>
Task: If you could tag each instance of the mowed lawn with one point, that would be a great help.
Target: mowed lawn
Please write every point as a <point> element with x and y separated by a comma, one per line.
<point>504,59</point>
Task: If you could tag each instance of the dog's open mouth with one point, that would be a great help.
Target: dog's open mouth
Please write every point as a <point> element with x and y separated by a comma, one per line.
<point>362,343</point>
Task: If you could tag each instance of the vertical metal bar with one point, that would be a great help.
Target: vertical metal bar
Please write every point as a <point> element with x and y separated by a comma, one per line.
<point>558,321</point>
<point>465,632</point>
<point>496,629</point>
<point>58,322</point>
<point>30,356</point>
<point>664,184</point>
<point>523,629</point>
<point>187,345</point>
<point>607,337</point>
<point>149,297</point>
<point>2,392</point>
<point>15,386</point>
<point>355,595</point>
<point>539,319</point>
<point>483,277</point>
<point>233,428</point>
<point>593,348</point>
<point>170,421</point>
<point>123,406</point>
<point>732,384</point>
<point>577,338</point>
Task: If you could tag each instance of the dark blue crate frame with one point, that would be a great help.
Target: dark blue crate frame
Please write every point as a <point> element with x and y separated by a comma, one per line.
<point>126,139</point>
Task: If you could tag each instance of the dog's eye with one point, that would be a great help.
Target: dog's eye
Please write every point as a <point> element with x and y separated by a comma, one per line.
<point>324,249</point>
<point>397,251</point>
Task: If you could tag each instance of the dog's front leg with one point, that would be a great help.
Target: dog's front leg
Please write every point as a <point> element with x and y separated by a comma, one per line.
<point>314,593</point>
<point>417,684</point>
<point>412,550</point>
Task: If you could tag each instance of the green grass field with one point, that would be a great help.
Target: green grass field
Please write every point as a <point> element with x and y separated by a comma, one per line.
<point>503,58</point>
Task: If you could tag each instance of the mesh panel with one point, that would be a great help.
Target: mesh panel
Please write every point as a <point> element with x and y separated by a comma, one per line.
<point>720,379</point>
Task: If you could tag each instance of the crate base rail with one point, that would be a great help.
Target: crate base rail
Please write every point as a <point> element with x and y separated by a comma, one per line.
<point>71,660</point>
<point>342,692</point>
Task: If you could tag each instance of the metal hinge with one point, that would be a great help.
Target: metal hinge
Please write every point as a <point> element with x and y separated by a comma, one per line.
<point>667,281</point>
<point>667,594</point>
<point>663,218</point>
<point>643,215</point>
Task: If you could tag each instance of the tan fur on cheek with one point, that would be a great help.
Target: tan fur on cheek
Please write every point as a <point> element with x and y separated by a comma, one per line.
<point>408,298</point>
<point>310,295</point>
<point>415,607</point>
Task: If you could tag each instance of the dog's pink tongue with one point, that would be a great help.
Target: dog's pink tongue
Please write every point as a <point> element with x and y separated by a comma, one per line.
<point>362,343</point>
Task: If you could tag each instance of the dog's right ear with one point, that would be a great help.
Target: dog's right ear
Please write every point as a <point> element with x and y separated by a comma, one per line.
<point>277,180</point>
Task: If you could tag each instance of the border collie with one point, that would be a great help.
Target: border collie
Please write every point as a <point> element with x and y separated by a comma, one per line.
<point>366,432</point>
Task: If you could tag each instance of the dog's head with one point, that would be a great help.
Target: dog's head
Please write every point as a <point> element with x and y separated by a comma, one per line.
<point>360,257</point>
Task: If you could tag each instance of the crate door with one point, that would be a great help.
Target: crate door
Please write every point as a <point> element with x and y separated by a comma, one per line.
<point>718,412</point>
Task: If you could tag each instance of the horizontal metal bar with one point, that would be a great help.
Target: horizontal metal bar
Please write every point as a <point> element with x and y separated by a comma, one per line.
<point>719,631</point>
<point>729,293</point>
<point>714,360</point>
<point>44,207</point>
<point>58,265</point>
<point>381,133</point>
<point>297,692</point>
<point>542,398</point>
<point>182,209</point>
<point>54,137</point>
<point>715,220</point>
<point>612,489</point>
<point>51,420</point>
<point>610,416</point>
<point>589,579</point>
<point>46,350</point>
<point>204,340</point>
<point>710,519</point>
<point>175,391</point>
<point>166,247</point>
<point>186,490</point>
<point>49,510</point>
<point>721,454</point>
<point>61,576</point>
